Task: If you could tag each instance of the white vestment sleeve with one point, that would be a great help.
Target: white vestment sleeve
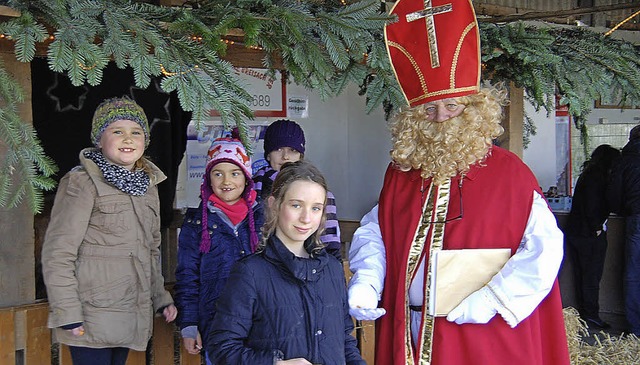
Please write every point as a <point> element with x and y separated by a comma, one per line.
<point>367,255</point>
<point>527,278</point>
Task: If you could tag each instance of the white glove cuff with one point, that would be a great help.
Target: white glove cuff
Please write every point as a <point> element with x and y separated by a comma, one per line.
<point>491,297</point>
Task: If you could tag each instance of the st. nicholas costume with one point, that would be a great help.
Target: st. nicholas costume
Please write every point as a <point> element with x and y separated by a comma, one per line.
<point>434,49</point>
<point>496,213</point>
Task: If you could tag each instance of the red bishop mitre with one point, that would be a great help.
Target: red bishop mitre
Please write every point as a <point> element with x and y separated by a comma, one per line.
<point>434,49</point>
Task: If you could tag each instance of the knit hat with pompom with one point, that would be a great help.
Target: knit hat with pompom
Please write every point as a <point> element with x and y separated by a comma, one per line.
<point>231,150</point>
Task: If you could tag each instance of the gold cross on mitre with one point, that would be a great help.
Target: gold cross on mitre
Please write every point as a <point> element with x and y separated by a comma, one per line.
<point>428,12</point>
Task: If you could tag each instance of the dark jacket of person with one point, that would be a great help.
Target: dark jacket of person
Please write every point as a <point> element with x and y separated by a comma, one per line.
<point>278,304</point>
<point>589,207</point>
<point>623,193</point>
<point>200,277</point>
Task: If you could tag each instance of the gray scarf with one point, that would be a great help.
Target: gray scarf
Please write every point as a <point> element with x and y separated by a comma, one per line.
<point>130,182</point>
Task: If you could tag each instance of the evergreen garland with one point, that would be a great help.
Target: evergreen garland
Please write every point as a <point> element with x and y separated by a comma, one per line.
<point>24,169</point>
<point>323,45</point>
<point>576,64</point>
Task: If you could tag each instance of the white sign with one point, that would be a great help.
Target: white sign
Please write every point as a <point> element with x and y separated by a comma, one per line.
<point>195,159</point>
<point>267,91</point>
<point>298,107</point>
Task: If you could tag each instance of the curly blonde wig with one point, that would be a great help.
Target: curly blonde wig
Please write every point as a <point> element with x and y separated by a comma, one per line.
<point>446,149</point>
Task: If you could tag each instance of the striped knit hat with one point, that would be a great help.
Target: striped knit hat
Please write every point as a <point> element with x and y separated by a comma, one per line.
<point>115,109</point>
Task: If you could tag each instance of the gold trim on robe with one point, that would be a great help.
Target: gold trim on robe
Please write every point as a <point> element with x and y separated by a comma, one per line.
<point>431,225</point>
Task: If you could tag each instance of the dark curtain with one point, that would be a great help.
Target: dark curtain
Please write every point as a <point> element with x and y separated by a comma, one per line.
<point>62,118</point>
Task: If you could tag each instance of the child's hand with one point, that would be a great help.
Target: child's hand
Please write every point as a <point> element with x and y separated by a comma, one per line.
<point>78,331</point>
<point>170,313</point>
<point>193,345</point>
<point>298,361</point>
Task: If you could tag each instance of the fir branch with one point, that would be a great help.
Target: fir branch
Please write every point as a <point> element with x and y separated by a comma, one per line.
<point>578,65</point>
<point>26,170</point>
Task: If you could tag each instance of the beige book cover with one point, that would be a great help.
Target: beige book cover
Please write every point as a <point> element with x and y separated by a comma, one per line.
<point>457,273</point>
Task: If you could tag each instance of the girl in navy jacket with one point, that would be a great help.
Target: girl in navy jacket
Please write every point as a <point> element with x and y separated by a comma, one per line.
<point>213,237</point>
<point>287,304</point>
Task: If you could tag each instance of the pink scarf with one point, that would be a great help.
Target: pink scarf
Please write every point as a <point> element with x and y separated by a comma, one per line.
<point>236,211</point>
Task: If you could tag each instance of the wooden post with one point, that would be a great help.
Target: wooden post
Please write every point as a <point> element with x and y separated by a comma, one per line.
<point>162,342</point>
<point>17,262</point>
<point>136,358</point>
<point>365,331</point>
<point>7,337</point>
<point>514,119</point>
<point>64,355</point>
<point>367,340</point>
<point>37,336</point>
<point>169,247</point>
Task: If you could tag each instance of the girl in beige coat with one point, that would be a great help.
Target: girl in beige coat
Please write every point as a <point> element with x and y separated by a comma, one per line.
<point>101,254</point>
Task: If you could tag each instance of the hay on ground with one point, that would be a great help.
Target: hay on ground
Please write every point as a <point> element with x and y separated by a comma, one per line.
<point>606,349</point>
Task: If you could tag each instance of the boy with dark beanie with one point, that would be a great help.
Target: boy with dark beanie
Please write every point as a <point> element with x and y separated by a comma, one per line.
<point>284,142</point>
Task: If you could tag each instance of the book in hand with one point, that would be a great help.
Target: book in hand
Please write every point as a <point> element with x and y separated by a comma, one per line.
<point>455,274</point>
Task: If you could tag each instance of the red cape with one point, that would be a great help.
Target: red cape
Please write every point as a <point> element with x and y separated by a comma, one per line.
<point>497,200</point>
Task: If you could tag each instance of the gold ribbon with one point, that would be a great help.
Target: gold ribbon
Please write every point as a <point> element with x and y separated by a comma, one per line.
<point>434,214</point>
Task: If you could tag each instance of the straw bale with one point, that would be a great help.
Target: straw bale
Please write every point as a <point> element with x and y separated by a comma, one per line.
<point>602,348</point>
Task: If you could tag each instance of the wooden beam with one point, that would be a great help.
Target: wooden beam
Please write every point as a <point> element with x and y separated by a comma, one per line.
<point>531,15</point>
<point>241,56</point>
<point>486,12</point>
<point>6,11</point>
<point>37,335</point>
<point>162,341</point>
<point>64,355</point>
<point>17,259</point>
<point>7,337</point>
<point>512,124</point>
<point>237,54</point>
<point>497,10</point>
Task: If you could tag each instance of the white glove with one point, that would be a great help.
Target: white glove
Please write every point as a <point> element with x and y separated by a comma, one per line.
<point>478,307</point>
<point>362,314</point>
<point>363,303</point>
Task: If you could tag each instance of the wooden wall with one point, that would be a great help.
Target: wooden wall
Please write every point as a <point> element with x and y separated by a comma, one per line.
<point>17,283</point>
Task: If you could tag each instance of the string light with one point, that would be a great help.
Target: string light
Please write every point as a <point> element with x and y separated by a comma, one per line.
<point>168,73</point>
<point>194,38</point>
<point>230,42</point>
<point>622,22</point>
<point>165,72</point>
<point>51,37</point>
<point>86,68</point>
